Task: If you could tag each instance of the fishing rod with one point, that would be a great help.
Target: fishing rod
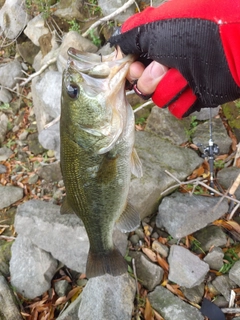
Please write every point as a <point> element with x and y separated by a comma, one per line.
<point>210,151</point>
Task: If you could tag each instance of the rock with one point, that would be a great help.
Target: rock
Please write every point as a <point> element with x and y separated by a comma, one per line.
<point>194,213</point>
<point>162,123</point>
<point>69,9</point>
<point>50,172</point>
<point>3,127</point>
<point>46,93</point>
<point>13,18</point>
<point>33,144</point>
<point>108,298</point>
<point>215,258</point>
<point>50,139</point>
<point>234,273</point>
<point>211,236</point>
<point>3,169</point>
<point>158,155</point>
<point>5,152</point>
<point>75,40</point>
<point>27,51</point>
<point>171,307</point>
<point>221,302</point>
<point>5,95</point>
<point>227,176</point>
<point>148,273</point>
<point>9,195</point>
<point>185,268</point>
<point>204,113</point>
<point>62,235</point>
<point>31,268</point>
<point>62,287</point>
<point>160,248</point>
<point>5,255</point>
<point>35,29</point>
<point>224,285</point>
<point>219,135</point>
<point>8,308</point>
<point>194,294</point>
<point>109,7</point>
<point>71,313</point>
<point>9,72</point>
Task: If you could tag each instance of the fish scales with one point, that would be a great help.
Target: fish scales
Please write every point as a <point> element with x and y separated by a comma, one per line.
<point>97,138</point>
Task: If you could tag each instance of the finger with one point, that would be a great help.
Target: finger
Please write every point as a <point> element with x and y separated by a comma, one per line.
<point>150,77</point>
<point>135,71</point>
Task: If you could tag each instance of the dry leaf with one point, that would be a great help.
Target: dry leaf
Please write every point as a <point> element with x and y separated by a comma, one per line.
<point>175,290</point>
<point>150,254</point>
<point>148,314</point>
<point>157,316</point>
<point>163,263</point>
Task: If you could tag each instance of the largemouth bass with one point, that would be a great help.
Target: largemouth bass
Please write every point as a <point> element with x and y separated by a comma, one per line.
<point>97,154</point>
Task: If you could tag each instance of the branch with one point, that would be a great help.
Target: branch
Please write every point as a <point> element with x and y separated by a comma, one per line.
<point>109,17</point>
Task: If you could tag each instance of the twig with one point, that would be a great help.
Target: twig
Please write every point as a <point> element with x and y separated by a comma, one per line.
<point>143,106</point>
<point>48,125</point>
<point>15,91</point>
<point>33,75</point>
<point>230,310</point>
<point>237,155</point>
<point>109,17</point>
<point>198,181</point>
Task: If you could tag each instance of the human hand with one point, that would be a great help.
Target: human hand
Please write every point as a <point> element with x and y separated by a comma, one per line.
<point>197,40</point>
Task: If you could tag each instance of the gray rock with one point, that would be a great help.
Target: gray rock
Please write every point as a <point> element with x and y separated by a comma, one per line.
<point>9,195</point>
<point>108,298</point>
<point>211,236</point>
<point>194,294</point>
<point>35,29</point>
<point>5,95</point>
<point>215,258</point>
<point>62,235</point>
<point>158,155</point>
<point>75,40</point>
<point>50,172</point>
<point>8,308</point>
<point>221,302</point>
<point>219,134</point>
<point>3,169</point>
<point>204,113</point>
<point>9,72</point>
<point>194,213</point>
<point>62,287</point>
<point>108,7</point>
<point>69,9</point>
<point>227,176</point>
<point>3,127</point>
<point>5,153</point>
<point>234,273</point>
<point>13,18</point>
<point>31,268</point>
<point>33,144</point>
<point>185,268</point>
<point>46,93</point>
<point>162,123</point>
<point>71,313</point>
<point>224,285</point>
<point>27,51</point>
<point>149,273</point>
<point>160,248</point>
<point>171,307</point>
<point>50,139</point>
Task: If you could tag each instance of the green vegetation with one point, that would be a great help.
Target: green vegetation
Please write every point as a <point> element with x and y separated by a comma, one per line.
<point>74,25</point>
<point>41,6</point>
<point>230,257</point>
<point>219,164</point>
<point>193,126</point>
<point>95,39</point>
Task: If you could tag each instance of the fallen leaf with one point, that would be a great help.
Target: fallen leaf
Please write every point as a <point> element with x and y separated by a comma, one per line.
<point>150,254</point>
<point>163,263</point>
<point>148,314</point>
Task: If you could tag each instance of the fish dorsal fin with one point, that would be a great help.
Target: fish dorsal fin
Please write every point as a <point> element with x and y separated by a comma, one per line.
<point>66,208</point>
<point>136,164</point>
<point>129,219</point>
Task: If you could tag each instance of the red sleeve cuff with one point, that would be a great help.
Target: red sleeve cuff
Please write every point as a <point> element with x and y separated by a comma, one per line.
<point>173,92</point>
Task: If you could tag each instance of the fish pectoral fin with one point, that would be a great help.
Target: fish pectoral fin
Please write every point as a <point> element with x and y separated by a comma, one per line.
<point>129,219</point>
<point>136,164</point>
<point>66,208</point>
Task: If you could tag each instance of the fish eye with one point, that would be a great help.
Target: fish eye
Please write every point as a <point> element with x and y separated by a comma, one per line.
<point>73,90</point>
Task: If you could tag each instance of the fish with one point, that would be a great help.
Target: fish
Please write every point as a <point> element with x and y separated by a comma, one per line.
<point>97,154</point>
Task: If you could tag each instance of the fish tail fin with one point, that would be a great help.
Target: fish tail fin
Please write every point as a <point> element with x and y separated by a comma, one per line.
<point>111,262</point>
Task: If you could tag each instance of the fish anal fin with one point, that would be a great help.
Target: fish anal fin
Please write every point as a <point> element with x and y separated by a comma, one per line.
<point>136,165</point>
<point>129,219</point>
<point>66,208</point>
<point>111,262</point>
